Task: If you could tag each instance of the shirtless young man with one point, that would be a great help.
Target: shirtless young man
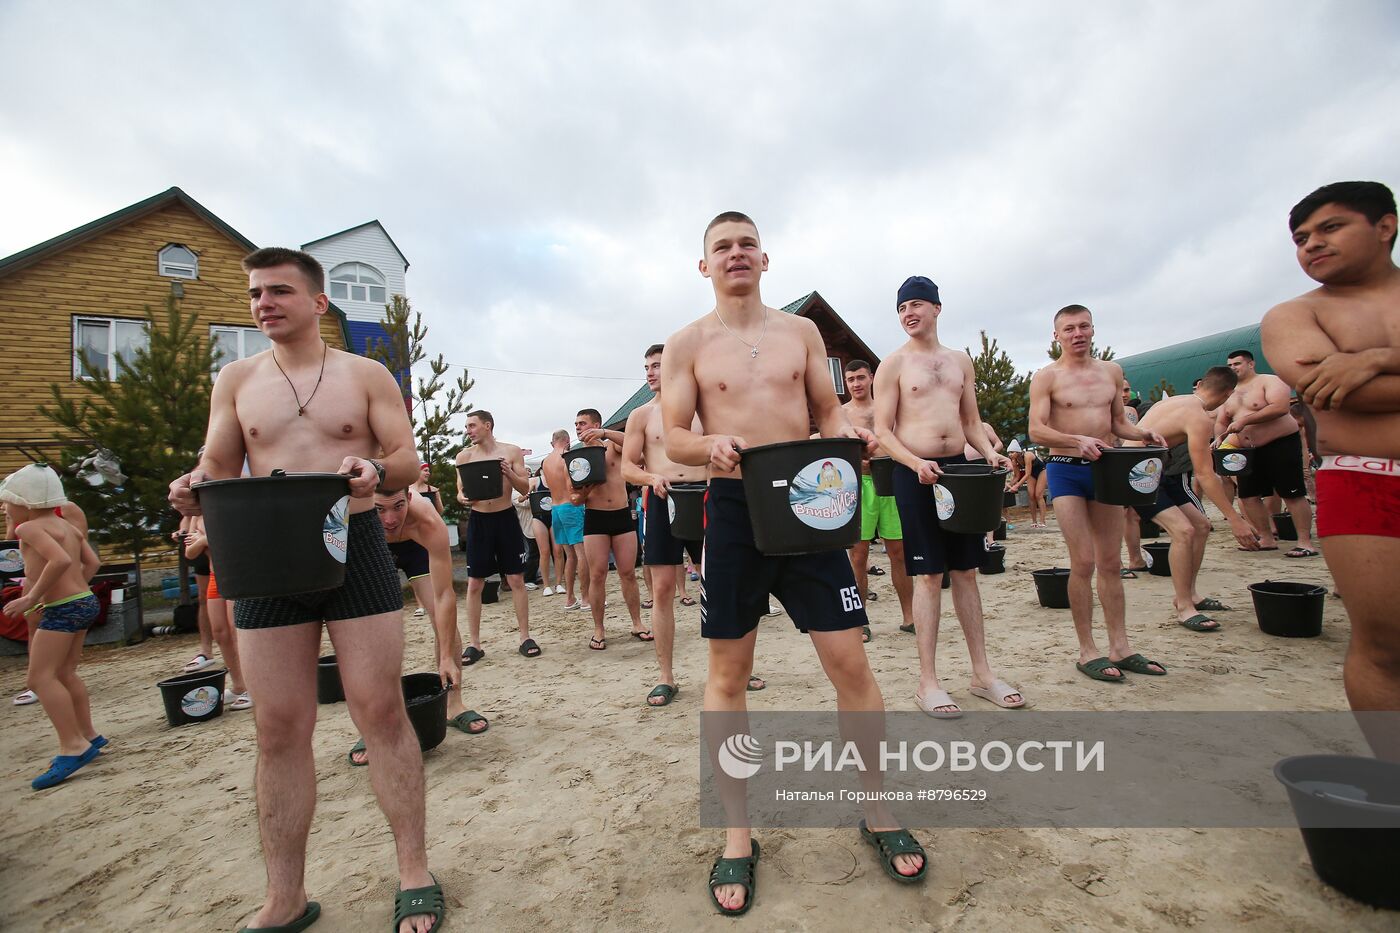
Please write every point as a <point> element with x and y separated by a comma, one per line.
<point>925,413</point>
<point>645,464</point>
<point>566,520</point>
<point>302,406</point>
<point>1076,409</point>
<point>58,563</point>
<point>609,527</point>
<point>417,537</point>
<point>879,516</point>
<point>753,374</point>
<point>495,542</point>
<point>1258,412</point>
<point>1339,345</point>
<point>1187,419</point>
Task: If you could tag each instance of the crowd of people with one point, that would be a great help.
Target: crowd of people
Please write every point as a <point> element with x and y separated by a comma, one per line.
<point>740,376</point>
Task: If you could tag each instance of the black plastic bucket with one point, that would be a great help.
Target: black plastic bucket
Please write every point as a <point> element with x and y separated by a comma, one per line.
<point>490,591</point>
<point>1284,529</point>
<point>541,503</point>
<point>277,535</point>
<point>996,560</point>
<point>1008,499</point>
<point>1128,475</point>
<point>882,472</point>
<point>197,697</point>
<point>480,479</point>
<point>968,498</point>
<point>1147,528</point>
<point>587,465</point>
<point>1233,461</point>
<point>685,509</point>
<point>1288,610</point>
<point>1000,533</point>
<point>804,496</point>
<point>426,700</point>
<point>1161,565</point>
<point>1341,802</point>
<point>1052,587</point>
<point>328,686</point>
<point>947,580</point>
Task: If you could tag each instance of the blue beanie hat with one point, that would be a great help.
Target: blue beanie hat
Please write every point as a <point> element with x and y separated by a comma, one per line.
<point>917,286</point>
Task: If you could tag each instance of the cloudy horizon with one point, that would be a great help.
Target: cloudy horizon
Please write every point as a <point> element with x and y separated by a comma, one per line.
<point>549,170</point>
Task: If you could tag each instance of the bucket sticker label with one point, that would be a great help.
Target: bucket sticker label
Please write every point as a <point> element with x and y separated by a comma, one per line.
<point>1234,462</point>
<point>1146,476</point>
<point>547,504</point>
<point>335,531</point>
<point>825,494</point>
<point>945,503</point>
<point>671,508</point>
<point>10,561</point>
<point>199,702</point>
<point>579,468</point>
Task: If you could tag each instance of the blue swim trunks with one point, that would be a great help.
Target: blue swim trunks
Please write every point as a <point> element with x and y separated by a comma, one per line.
<point>567,523</point>
<point>72,615</point>
<point>1069,476</point>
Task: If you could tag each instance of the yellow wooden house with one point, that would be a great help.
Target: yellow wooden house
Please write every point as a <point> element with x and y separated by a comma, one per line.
<point>88,289</point>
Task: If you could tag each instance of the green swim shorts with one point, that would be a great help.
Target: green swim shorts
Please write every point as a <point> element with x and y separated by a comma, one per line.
<point>878,515</point>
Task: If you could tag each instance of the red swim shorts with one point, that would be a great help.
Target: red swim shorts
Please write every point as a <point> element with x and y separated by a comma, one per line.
<point>1358,496</point>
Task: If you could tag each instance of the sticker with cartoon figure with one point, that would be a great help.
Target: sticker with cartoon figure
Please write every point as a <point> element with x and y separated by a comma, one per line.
<point>336,529</point>
<point>671,508</point>
<point>579,468</point>
<point>1146,476</point>
<point>825,494</point>
<point>945,503</point>
<point>199,702</point>
<point>547,504</point>
<point>10,560</point>
<point>1234,462</point>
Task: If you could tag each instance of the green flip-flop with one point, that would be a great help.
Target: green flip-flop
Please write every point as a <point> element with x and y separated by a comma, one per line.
<point>464,721</point>
<point>1139,665</point>
<point>895,842</point>
<point>424,900</point>
<point>1198,623</point>
<point>667,693</point>
<point>359,746</point>
<point>1211,604</point>
<point>1096,668</point>
<point>740,871</point>
<point>308,917</point>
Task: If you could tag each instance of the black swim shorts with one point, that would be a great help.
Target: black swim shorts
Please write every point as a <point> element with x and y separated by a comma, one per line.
<point>495,544</point>
<point>818,590</point>
<point>610,522</point>
<point>928,546</point>
<point>1278,468</point>
<point>371,586</point>
<point>1173,491</point>
<point>410,557</point>
<point>659,548</point>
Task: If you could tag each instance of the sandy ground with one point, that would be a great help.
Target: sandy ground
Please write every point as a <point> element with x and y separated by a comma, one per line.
<point>577,810</point>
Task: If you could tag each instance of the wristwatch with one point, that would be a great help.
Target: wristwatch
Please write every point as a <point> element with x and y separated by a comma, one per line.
<point>379,469</point>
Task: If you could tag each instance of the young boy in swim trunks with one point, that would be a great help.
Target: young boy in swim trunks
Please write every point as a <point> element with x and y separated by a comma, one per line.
<point>58,562</point>
<point>755,376</point>
<point>566,521</point>
<point>1339,346</point>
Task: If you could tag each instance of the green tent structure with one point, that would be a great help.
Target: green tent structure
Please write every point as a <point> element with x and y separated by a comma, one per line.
<point>1181,364</point>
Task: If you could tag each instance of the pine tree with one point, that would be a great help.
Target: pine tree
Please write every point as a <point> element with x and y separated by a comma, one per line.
<point>1161,390</point>
<point>400,351</point>
<point>151,418</point>
<point>1003,395</point>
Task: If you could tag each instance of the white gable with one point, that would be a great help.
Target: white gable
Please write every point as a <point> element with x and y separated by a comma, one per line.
<point>366,244</point>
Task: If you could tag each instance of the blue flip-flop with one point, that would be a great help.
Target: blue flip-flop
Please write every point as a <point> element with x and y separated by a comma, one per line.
<point>100,742</point>
<point>62,768</point>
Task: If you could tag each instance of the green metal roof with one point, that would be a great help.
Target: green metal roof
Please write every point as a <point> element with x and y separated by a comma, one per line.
<point>1181,364</point>
<point>93,229</point>
<point>644,395</point>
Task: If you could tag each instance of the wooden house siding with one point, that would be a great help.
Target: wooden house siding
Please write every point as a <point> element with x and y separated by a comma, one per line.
<point>112,275</point>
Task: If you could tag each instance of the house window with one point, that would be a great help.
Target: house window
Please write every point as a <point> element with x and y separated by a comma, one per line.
<point>235,343</point>
<point>838,377</point>
<point>178,262</point>
<point>355,281</point>
<point>104,343</point>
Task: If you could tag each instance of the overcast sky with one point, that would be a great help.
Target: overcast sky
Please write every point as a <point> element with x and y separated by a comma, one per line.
<point>548,168</point>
